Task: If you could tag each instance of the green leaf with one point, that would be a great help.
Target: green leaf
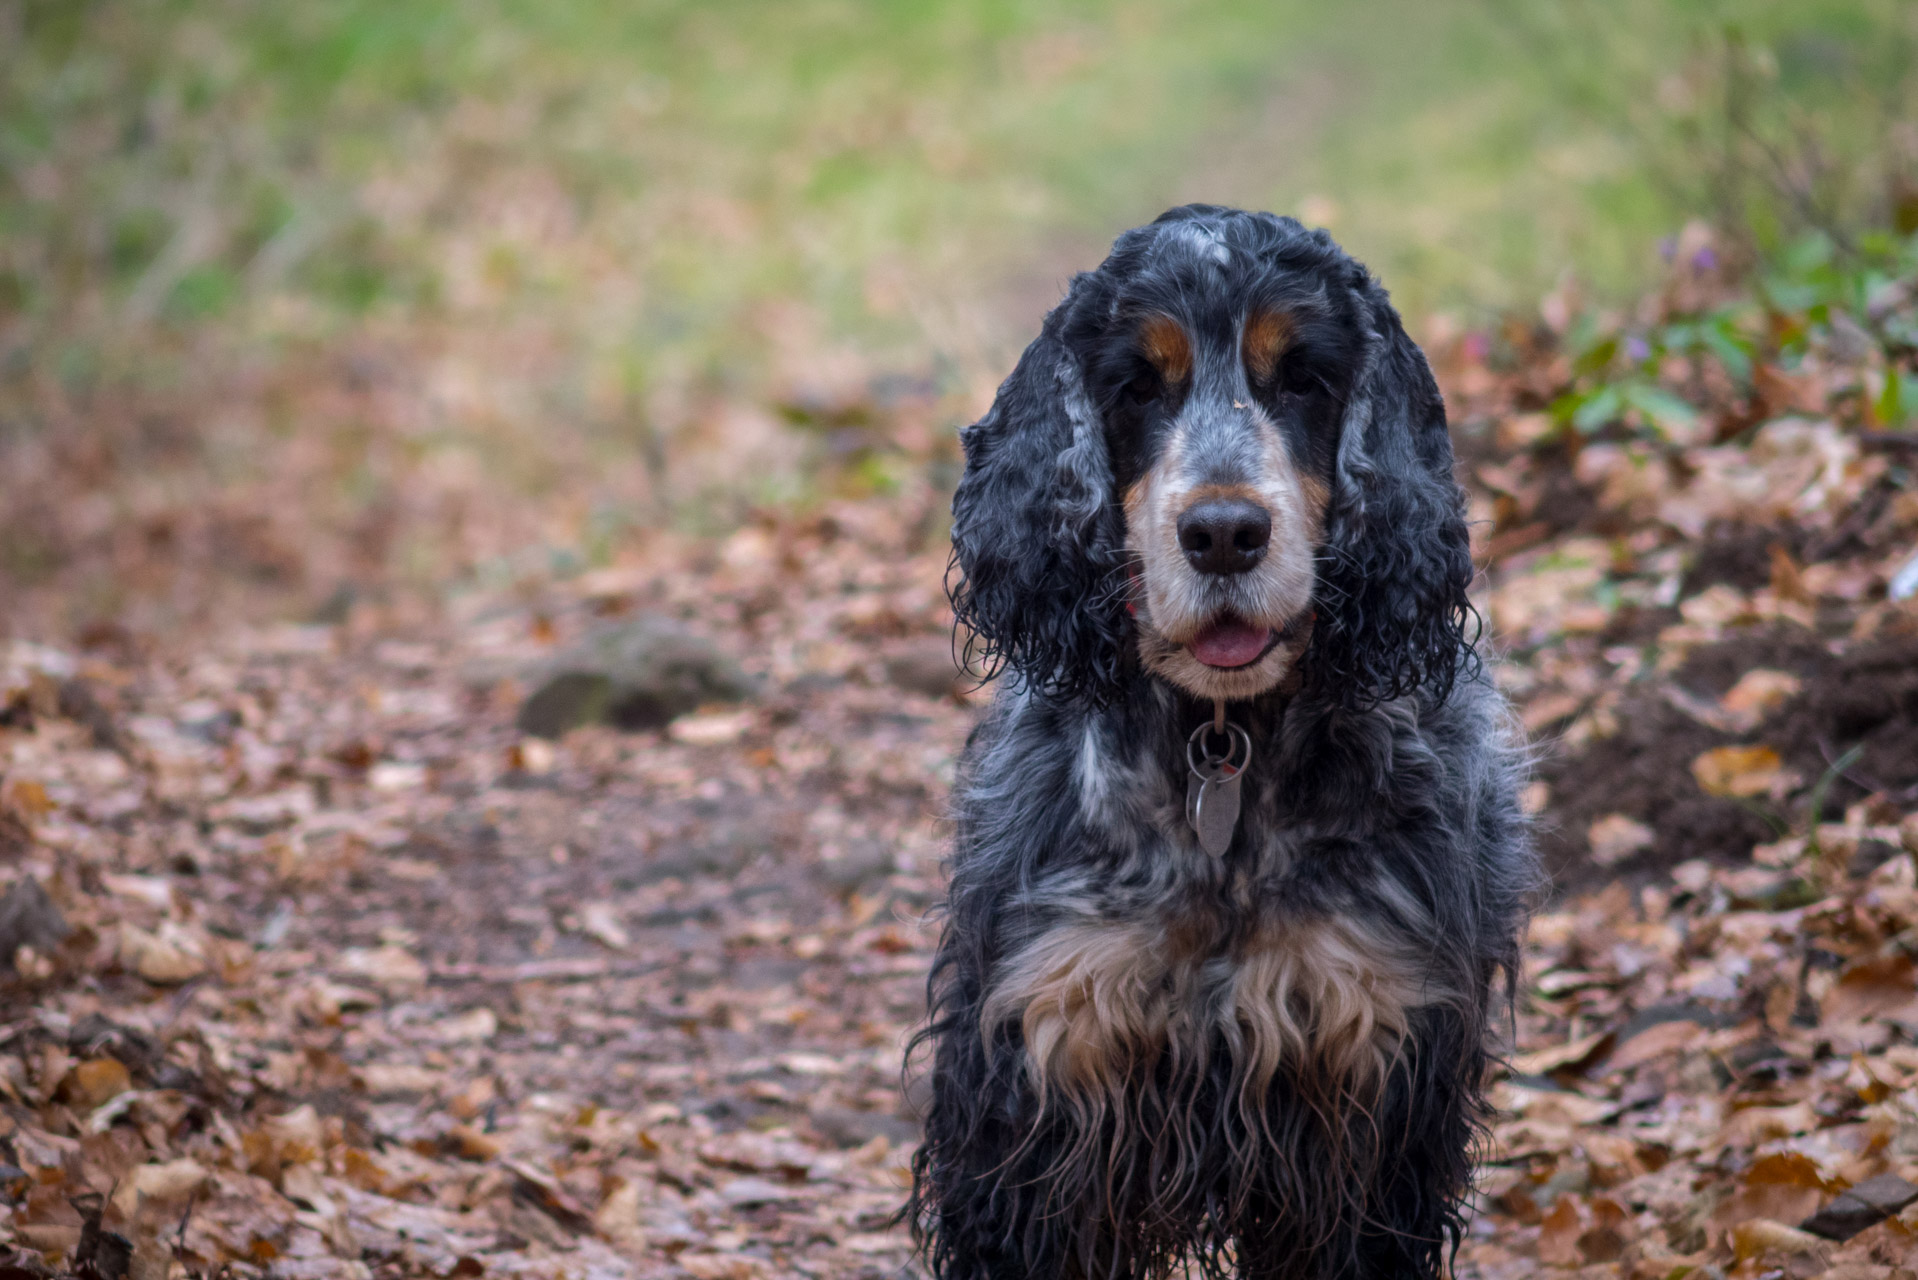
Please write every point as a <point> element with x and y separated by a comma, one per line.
<point>1730,348</point>
<point>203,291</point>
<point>1599,409</point>
<point>1667,412</point>
<point>1595,357</point>
<point>1898,402</point>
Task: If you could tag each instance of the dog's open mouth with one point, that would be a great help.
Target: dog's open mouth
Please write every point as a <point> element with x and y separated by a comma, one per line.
<point>1227,643</point>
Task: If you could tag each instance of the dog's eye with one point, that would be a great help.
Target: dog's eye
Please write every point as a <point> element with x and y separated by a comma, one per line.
<point>1296,377</point>
<point>1144,389</point>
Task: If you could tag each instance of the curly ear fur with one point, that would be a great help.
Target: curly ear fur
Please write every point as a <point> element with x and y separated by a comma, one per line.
<point>1037,541</point>
<point>1397,559</point>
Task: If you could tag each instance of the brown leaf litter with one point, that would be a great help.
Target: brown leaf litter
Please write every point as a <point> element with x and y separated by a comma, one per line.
<point>321,966</point>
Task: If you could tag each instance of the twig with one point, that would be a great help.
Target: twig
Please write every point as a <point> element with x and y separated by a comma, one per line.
<point>179,1239</point>
<point>579,969</point>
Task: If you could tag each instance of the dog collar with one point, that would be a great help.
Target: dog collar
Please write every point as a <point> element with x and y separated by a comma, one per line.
<point>1217,754</point>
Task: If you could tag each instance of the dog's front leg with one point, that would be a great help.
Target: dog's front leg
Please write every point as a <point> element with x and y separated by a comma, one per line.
<point>1433,1109</point>
<point>983,1198</point>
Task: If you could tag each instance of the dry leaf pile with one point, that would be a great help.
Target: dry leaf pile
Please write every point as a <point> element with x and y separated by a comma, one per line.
<point>321,968</point>
<point>1716,1071</point>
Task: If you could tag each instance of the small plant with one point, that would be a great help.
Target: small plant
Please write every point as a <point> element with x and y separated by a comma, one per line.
<point>1817,305</point>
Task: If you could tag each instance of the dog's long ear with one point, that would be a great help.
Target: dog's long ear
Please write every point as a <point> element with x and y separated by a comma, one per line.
<point>1393,612</point>
<point>1038,563</point>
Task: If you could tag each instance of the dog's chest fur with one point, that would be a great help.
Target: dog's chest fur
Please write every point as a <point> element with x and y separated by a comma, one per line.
<point>1144,955</point>
<point>1101,1003</point>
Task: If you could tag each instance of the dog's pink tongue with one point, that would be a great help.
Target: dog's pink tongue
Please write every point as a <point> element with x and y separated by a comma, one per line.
<point>1230,644</point>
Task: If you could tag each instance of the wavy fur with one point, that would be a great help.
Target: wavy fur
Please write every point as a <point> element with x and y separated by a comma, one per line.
<point>1146,1058</point>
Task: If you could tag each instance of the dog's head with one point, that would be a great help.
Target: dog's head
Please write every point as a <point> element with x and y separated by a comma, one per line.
<point>1224,456</point>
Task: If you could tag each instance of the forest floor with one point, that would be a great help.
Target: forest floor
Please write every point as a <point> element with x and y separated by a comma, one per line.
<point>322,968</point>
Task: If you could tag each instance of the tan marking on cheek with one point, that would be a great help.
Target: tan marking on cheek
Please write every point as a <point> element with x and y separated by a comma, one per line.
<point>1093,1002</point>
<point>1266,337</point>
<point>1317,497</point>
<point>1328,996</point>
<point>1149,518</point>
<point>1165,344</point>
<point>1292,493</point>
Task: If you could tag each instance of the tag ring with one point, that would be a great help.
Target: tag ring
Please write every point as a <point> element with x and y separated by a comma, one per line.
<point>1235,737</point>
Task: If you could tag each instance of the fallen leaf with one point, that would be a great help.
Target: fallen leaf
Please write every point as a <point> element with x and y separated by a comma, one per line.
<point>1616,837</point>
<point>382,1078</point>
<point>710,729</point>
<point>1655,1042</point>
<point>364,1171</point>
<point>155,891</point>
<point>1758,693</point>
<point>1883,988</point>
<point>722,1266</point>
<point>1857,1208</point>
<point>471,1144</point>
<point>1783,1186</point>
<point>298,1135</point>
<point>169,957</point>
<point>1763,1237</point>
<point>600,921</point>
<point>389,966</point>
<point>1740,772</point>
<point>302,1184</point>
<point>1557,1057</point>
<point>94,1082</point>
<point>396,775</point>
<point>476,1025</point>
<point>874,1242</point>
<point>746,1192</point>
<point>1753,1126</point>
<point>27,797</point>
<point>166,1183</point>
<point>1578,1231</point>
<point>617,1217</point>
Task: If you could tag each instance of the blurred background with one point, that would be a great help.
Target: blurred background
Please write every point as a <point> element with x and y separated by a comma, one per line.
<point>477,701</point>
<point>306,307</point>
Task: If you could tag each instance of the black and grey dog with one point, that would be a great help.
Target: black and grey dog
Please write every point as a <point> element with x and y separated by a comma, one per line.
<point>1219,482</point>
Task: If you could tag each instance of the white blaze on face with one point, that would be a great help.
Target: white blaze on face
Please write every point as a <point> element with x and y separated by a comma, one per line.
<point>1224,451</point>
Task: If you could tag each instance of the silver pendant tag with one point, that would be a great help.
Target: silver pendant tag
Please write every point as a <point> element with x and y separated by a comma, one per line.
<point>1218,812</point>
<point>1217,762</point>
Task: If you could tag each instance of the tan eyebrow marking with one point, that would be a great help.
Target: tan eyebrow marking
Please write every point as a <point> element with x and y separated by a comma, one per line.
<point>1165,344</point>
<point>1267,335</point>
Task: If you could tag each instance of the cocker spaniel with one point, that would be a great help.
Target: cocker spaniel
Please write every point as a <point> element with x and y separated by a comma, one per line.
<point>1239,869</point>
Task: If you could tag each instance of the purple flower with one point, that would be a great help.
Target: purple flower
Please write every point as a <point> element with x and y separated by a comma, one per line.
<point>1668,247</point>
<point>1636,349</point>
<point>1477,347</point>
<point>1704,259</point>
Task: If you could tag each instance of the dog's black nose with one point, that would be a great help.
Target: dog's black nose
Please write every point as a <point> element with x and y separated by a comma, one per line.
<point>1224,535</point>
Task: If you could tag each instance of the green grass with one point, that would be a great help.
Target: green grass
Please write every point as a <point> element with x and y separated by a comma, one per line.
<point>581,228</point>
<point>182,157</point>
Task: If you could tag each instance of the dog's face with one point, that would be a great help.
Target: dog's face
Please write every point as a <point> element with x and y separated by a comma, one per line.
<point>1224,458</point>
<point>1221,391</point>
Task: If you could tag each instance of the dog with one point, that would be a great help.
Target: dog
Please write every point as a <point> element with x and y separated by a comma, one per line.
<point>1210,532</point>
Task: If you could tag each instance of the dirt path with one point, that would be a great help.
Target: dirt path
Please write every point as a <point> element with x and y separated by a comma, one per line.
<point>412,993</point>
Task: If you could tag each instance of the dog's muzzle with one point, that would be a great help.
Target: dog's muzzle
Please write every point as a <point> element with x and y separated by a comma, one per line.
<point>1224,536</point>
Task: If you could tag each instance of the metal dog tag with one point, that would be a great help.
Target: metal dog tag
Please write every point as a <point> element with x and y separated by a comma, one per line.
<point>1217,811</point>
<point>1212,785</point>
